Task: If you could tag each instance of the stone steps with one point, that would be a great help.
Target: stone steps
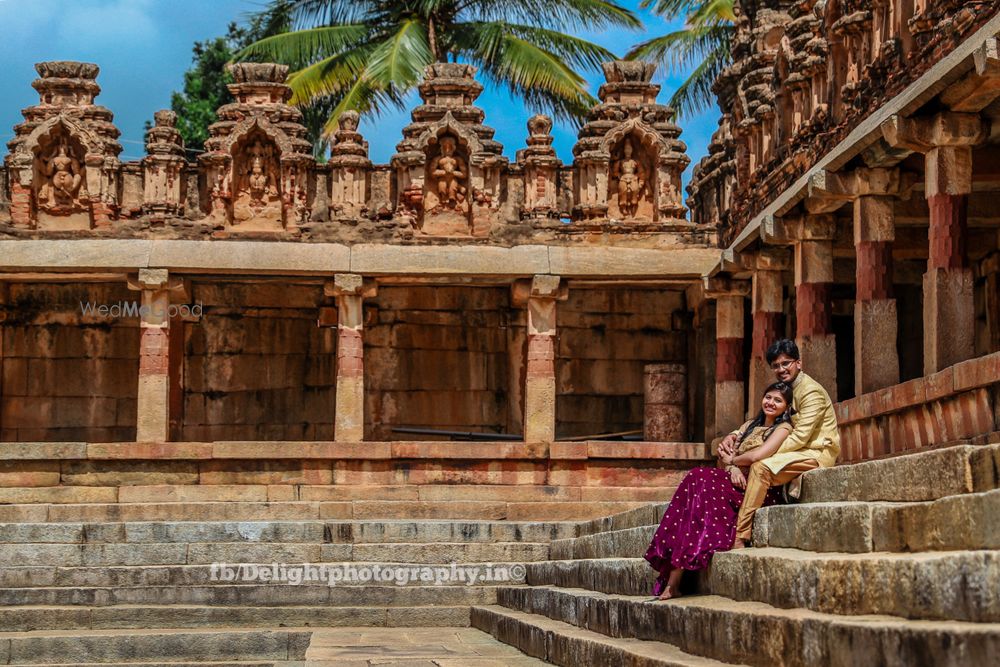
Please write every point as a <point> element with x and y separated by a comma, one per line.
<point>619,576</point>
<point>760,634</point>
<point>333,532</point>
<point>624,543</point>
<point>194,553</point>
<point>927,475</point>
<point>71,617</point>
<point>55,647</point>
<point>267,594</point>
<point>966,521</point>
<point>561,643</point>
<point>960,585</point>
<point>48,505</point>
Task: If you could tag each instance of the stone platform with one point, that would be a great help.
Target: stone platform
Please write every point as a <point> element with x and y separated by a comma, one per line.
<point>335,480</point>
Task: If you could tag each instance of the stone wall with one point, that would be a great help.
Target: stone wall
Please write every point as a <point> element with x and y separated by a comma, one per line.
<point>257,366</point>
<point>606,337</point>
<point>440,357</point>
<point>66,375</point>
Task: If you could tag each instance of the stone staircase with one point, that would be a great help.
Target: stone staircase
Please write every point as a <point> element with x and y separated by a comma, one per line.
<point>888,562</point>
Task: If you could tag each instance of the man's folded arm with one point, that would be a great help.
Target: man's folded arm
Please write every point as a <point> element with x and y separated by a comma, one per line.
<point>807,420</point>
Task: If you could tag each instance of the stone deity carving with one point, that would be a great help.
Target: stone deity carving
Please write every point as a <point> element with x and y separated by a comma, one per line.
<point>631,177</point>
<point>258,195</point>
<point>449,172</point>
<point>63,178</point>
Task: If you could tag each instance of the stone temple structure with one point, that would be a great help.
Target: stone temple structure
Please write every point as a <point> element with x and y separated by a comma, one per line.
<point>398,373</point>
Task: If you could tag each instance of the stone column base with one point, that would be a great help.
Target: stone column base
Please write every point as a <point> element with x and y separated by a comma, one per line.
<point>540,409</point>
<point>728,406</point>
<point>349,424</point>
<point>876,361</point>
<point>949,318</point>
<point>153,394</point>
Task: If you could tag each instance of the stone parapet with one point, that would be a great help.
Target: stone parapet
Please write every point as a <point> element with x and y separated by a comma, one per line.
<point>954,405</point>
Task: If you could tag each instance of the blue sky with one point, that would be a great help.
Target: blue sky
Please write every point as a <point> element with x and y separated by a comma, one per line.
<point>144,46</point>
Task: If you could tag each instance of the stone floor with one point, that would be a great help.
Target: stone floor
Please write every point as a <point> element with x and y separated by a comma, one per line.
<point>412,647</point>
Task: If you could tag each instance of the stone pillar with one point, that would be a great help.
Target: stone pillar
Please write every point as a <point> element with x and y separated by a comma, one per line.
<point>153,395</point>
<point>540,297</point>
<point>876,362</point>
<point>350,290</point>
<point>946,139</point>
<point>730,368</point>
<point>767,307</point>
<point>666,404</point>
<point>813,303</point>
<point>3,318</point>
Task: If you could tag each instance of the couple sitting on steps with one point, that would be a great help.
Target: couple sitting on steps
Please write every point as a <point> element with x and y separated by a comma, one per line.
<point>713,508</point>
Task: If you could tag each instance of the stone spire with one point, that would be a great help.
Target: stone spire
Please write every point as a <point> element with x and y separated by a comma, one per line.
<point>163,165</point>
<point>448,166</point>
<point>63,160</point>
<point>257,159</point>
<point>628,157</point>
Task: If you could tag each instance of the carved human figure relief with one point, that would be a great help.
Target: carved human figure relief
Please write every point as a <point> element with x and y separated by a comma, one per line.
<point>258,195</point>
<point>62,178</point>
<point>631,177</point>
<point>448,173</point>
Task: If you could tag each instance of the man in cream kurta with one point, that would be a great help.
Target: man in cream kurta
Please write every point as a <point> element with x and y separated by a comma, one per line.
<point>814,440</point>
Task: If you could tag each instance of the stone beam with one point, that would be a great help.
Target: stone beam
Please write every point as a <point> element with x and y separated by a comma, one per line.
<point>350,290</point>
<point>979,88</point>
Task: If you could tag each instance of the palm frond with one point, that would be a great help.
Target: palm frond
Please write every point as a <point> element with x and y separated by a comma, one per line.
<point>695,94</point>
<point>712,12</point>
<point>669,9</point>
<point>302,47</point>
<point>312,13</point>
<point>329,77</point>
<point>680,49</point>
<point>531,72</point>
<point>574,51</point>
<point>399,61</point>
<point>554,14</point>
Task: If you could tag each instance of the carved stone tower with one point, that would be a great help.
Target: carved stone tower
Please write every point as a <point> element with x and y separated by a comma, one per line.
<point>63,160</point>
<point>629,159</point>
<point>448,167</point>
<point>257,159</point>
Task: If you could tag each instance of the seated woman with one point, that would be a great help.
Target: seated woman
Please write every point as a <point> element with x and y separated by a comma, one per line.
<point>701,517</point>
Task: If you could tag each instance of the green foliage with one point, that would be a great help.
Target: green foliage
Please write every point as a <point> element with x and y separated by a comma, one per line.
<point>205,87</point>
<point>704,39</point>
<point>366,55</point>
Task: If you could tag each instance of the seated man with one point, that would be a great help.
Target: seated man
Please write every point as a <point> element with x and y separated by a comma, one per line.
<point>814,441</point>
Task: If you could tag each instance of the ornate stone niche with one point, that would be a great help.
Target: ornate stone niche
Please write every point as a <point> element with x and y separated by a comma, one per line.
<point>540,167</point>
<point>349,168</point>
<point>163,167</point>
<point>448,167</point>
<point>629,160</point>
<point>257,162</point>
<point>63,161</point>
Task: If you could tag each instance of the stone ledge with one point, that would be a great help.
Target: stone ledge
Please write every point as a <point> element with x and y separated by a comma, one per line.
<point>966,376</point>
<point>288,258</point>
<point>359,451</point>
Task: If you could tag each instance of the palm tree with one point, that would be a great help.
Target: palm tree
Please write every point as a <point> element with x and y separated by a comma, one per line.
<point>368,54</point>
<point>704,39</point>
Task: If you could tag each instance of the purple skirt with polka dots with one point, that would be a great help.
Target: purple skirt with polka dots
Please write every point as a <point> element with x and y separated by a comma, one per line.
<point>700,520</point>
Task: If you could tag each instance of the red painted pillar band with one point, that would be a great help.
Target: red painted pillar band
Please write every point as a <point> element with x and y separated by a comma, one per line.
<point>767,328</point>
<point>948,231</point>
<point>874,270</point>
<point>541,356</point>
<point>154,346</point>
<point>813,309</point>
<point>729,360</point>
<point>350,353</point>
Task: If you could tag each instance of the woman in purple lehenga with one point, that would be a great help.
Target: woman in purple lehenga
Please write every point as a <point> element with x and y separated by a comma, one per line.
<point>701,517</point>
